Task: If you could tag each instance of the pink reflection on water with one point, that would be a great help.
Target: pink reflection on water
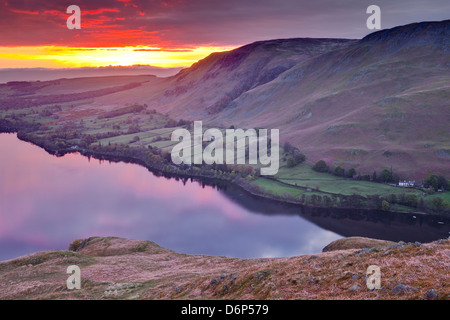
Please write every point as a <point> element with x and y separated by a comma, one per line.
<point>47,202</point>
<point>143,184</point>
<point>230,210</point>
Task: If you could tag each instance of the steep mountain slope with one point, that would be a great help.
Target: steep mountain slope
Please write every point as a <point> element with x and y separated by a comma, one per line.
<point>380,102</point>
<point>376,103</point>
<point>211,84</point>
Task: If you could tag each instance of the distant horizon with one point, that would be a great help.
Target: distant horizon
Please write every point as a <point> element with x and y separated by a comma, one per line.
<point>40,73</point>
<point>48,74</point>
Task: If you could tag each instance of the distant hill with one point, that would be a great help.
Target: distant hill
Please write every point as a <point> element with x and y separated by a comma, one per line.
<point>371,104</point>
<point>47,74</point>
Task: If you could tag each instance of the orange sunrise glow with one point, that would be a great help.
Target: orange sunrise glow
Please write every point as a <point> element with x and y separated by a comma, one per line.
<point>167,33</point>
<point>67,57</point>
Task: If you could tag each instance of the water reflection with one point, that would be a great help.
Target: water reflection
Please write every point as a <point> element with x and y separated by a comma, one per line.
<point>351,222</point>
<point>46,202</point>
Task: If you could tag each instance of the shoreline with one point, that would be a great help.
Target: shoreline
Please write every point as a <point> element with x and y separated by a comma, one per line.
<point>171,171</point>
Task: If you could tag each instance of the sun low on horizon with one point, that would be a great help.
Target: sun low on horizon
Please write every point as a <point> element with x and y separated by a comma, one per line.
<point>114,33</point>
<point>75,57</point>
<point>176,33</point>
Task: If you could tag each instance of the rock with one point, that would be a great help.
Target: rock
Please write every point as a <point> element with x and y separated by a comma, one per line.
<point>399,289</point>
<point>430,295</point>
<point>399,245</point>
<point>119,289</point>
<point>261,275</point>
<point>355,277</point>
<point>357,243</point>
<point>366,250</point>
<point>417,244</point>
<point>387,252</point>
<point>355,288</point>
<point>178,289</point>
<point>36,261</point>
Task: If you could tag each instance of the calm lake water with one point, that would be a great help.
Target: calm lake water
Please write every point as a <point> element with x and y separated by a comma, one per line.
<point>46,202</point>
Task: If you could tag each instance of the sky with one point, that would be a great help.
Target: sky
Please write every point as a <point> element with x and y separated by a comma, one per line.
<point>177,33</point>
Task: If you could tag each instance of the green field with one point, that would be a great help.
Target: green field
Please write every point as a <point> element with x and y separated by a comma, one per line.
<point>303,176</point>
<point>443,195</point>
<point>279,189</point>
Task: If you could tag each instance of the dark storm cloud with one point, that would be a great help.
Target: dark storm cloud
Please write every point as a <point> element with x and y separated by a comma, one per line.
<point>175,23</point>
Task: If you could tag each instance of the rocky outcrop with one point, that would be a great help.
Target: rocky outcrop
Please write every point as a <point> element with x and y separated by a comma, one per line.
<point>357,243</point>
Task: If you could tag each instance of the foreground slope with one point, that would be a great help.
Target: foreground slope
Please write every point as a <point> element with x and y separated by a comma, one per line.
<point>115,268</point>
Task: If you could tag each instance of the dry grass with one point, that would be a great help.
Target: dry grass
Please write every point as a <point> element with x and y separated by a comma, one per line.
<point>115,268</point>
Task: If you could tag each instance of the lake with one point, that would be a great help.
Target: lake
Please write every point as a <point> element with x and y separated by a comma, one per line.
<point>46,202</point>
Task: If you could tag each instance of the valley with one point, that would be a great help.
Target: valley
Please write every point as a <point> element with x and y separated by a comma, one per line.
<point>372,105</point>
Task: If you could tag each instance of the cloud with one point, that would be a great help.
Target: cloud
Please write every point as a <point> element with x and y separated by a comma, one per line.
<point>192,23</point>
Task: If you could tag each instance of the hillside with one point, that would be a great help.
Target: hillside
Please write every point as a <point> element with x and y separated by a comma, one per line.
<point>371,104</point>
<point>376,103</point>
<point>115,268</point>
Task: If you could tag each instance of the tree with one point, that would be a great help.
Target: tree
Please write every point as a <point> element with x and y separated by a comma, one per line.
<point>421,204</point>
<point>374,176</point>
<point>287,147</point>
<point>393,198</point>
<point>442,183</point>
<point>299,157</point>
<point>411,200</point>
<point>166,155</point>
<point>432,181</point>
<point>339,171</point>
<point>290,162</point>
<point>395,178</point>
<point>351,172</point>
<point>321,166</point>
<point>384,205</point>
<point>437,203</point>
<point>326,201</point>
<point>386,176</point>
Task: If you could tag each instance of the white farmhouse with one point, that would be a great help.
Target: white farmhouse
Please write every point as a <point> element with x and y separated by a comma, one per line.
<point>406,183</point>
